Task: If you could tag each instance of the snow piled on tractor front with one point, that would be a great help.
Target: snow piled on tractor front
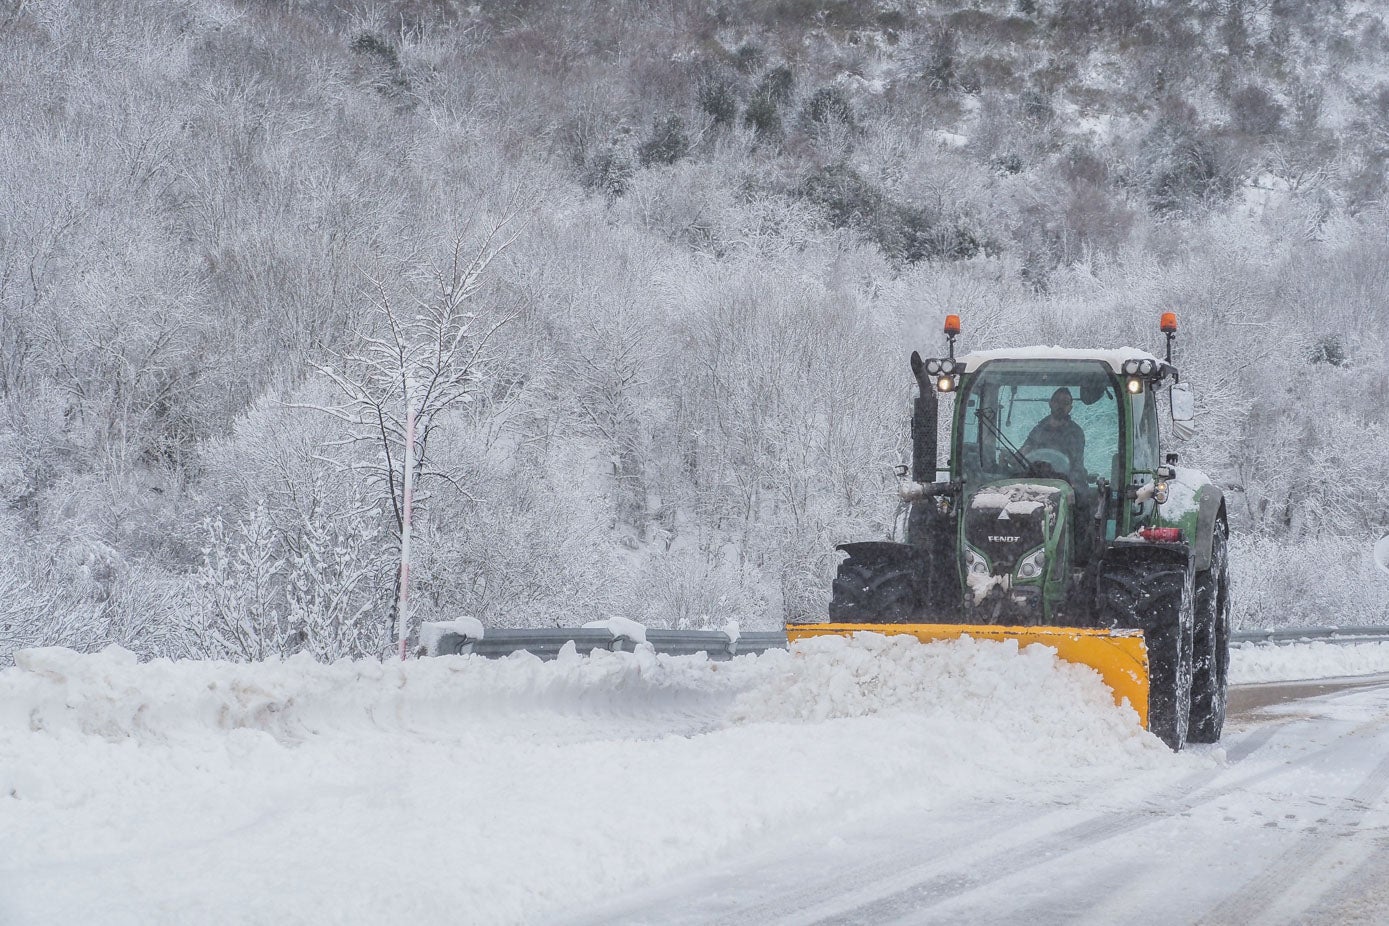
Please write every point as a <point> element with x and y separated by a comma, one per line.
<point>970,694</point>
<point>460,789</point>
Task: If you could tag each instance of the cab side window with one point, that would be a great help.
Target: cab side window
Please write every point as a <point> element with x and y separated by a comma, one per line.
<point>1145,439</point>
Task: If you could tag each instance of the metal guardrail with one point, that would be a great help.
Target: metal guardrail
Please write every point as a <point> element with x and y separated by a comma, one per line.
<point>547,642</point>
<point>1318,634</point>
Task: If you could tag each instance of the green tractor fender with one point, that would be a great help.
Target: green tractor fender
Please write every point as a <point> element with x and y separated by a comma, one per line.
<point>1210,512</point>
<point>1195,505</point>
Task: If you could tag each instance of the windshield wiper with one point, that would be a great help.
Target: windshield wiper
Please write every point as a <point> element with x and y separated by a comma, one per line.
<point>987,415</point>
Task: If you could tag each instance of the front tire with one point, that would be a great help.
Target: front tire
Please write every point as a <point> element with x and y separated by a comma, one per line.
<point>879,583</point>
<point>1211,667</point>
<point>1153,590</point>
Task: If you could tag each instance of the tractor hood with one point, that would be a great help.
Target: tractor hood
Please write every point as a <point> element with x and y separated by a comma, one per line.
<point>1007,520</point>
<point>1012,536</point>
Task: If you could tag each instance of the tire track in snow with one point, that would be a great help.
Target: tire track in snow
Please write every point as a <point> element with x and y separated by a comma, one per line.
<point>1022,856</point>
<point>1124,899</point>
<point>926,885</point>
<point>768,889</point>
<point>1102,890</point>
<point>1305,873</point>
<point>1361,897</point>
<point>915,902</point>
<point>771,891</point>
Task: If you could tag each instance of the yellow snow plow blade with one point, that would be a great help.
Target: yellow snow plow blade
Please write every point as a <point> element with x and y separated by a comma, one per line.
<point>1120,656</point>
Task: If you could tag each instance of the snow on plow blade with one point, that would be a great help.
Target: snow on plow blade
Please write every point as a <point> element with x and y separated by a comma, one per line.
<point>1120,656</point>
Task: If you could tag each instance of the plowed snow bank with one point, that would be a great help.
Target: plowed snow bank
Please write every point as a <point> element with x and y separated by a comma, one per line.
<point>1290,661</point>
<point>293,792</point>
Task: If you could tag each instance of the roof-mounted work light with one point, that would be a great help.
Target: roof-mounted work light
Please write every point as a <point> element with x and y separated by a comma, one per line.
<point>1147,367</point>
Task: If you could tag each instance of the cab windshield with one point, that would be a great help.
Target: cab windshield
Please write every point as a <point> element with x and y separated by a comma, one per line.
<point>1040,418</point>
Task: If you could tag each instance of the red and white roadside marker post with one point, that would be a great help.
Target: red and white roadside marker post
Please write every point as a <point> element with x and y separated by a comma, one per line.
<point>402,606</point>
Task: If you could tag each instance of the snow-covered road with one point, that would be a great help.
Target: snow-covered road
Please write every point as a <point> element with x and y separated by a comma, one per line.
<point>850,780</point>
<point>1289,825</point>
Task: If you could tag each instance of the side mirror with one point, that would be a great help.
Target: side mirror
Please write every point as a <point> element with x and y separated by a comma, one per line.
<point>1183,411</point>
<point>1382,553</point>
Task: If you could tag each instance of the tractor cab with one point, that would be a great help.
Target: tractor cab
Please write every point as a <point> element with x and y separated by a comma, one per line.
<point>1071,416</point>
<point>1045,418</point>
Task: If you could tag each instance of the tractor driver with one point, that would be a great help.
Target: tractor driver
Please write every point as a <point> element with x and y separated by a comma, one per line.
<point>1058,432</point>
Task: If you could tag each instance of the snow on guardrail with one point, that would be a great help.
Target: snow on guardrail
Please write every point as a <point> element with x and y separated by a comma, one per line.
<point>447,640</point>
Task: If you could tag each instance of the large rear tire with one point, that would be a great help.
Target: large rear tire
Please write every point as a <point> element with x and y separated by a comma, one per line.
<point>1210,674</point>
<point>1153,590</point>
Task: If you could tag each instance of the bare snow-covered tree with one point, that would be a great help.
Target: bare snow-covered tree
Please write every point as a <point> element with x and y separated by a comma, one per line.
<point>428,357</point>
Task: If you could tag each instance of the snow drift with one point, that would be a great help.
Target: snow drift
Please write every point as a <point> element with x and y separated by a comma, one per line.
<point>292,791</point>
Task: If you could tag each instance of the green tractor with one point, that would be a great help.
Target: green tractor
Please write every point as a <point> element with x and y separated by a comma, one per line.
<point>1058,517</point>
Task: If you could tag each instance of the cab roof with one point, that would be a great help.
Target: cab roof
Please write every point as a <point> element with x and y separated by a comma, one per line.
<point>1114,358</point>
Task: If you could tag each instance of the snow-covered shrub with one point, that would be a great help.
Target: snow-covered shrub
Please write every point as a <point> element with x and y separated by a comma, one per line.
<point>700,590</point>
<point>335,584</point>
<point>240,613</point>
<point>829,105</point>
<point>146,613</point>
<point>694,208</point>
<point>763,117</point>
<point>88,597</point>
<point>667,143</point>
<point>41,609</point>
<point>1182,165</point>
<point>1254,111</point>
<point>261,592</point>
<point>609,172</point>
<point>520,549</point>
<point>1308,582</point>
<point>777,85</point>
<point>718,96</point>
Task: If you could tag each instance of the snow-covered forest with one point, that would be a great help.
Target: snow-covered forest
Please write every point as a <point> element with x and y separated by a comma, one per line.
<point>653,271</point>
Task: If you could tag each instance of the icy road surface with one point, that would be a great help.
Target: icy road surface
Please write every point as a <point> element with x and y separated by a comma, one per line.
<point>873,780</point>
<point>1287,824</point>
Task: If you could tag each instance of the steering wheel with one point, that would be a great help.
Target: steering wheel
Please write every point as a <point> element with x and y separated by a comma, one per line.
<point>1051,458</point>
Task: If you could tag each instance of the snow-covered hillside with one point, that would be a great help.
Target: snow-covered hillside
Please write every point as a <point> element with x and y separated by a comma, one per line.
<point>690,247</point>
<point>464,790</point>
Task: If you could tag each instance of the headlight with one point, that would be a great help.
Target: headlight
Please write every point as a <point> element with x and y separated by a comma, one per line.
<point>933,367</point>
<point>1032,564</point>
<point>1130,367</point>
<point>945,383</point>
<point>976,564</point>
<point>1135,385</point>
<point>947,366</point>
<point>1147,367</point>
